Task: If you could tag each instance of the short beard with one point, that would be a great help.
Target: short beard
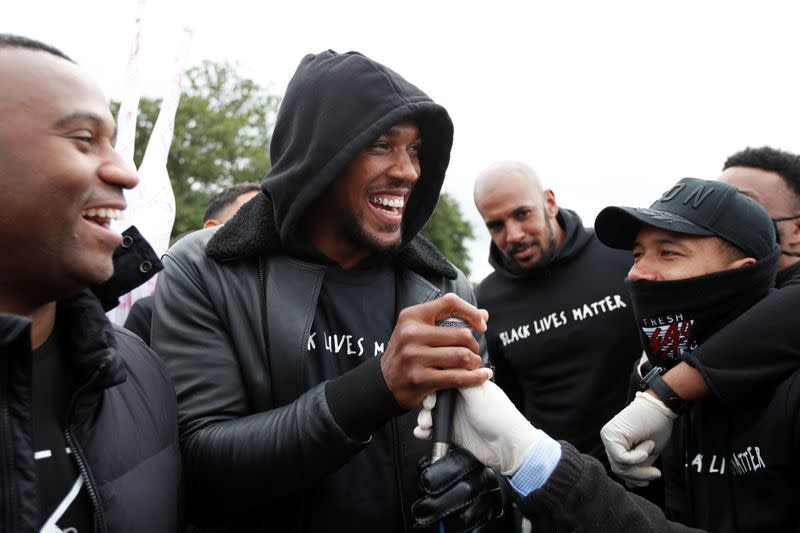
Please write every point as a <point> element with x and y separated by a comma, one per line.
<point>545,256</point>
<point>354,232</point>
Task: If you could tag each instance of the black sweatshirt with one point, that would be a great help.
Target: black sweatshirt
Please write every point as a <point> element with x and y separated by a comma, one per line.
<point>735,469</point>
<point>735,365</point>
<point>563,338</point>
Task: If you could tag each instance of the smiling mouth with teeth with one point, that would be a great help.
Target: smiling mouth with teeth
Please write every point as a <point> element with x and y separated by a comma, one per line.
<point>102,216</point>
<point>390,205</point>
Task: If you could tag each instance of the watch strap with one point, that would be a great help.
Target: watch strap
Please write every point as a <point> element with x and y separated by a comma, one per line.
<point>653,381</point>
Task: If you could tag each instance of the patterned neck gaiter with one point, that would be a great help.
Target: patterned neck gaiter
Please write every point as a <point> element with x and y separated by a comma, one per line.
<point>677,316</point>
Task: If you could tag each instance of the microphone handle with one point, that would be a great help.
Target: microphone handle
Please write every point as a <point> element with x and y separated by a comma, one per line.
<point>443,412</point>
<point>445,404</point>
<point>442,422</point>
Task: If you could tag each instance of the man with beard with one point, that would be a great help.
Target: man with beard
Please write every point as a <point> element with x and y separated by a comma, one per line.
<point>729,363</point>
<point>704,253</point>
<point>561,337</point>
<point>301,335</point>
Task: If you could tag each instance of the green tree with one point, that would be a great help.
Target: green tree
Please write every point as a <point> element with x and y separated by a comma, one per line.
<point>449,231</point>
<point>222,132</point>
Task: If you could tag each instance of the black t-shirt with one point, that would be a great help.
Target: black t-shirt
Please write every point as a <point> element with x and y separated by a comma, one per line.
<point>353,322</point>
<point>63,500</point>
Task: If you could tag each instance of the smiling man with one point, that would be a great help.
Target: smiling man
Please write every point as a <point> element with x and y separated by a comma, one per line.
<point>301,333</point>
<point>89,427</point>
<point>561,336</point>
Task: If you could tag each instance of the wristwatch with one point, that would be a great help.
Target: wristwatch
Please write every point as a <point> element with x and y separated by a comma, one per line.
<point>653,381</point>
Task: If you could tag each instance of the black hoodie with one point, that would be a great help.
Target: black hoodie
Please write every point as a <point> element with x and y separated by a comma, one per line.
<point>733,363</point>
<point>335,105</point>
<point>562,336</point>
<point>734,468</point>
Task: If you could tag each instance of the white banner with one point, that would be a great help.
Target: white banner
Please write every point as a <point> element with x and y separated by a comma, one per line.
<point>151,204</point>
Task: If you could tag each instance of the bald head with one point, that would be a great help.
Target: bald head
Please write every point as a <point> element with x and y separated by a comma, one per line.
<point>519,213</point>
<point>502,172</point>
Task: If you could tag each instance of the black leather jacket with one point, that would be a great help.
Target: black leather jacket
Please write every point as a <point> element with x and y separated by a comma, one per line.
<point>253,434</point>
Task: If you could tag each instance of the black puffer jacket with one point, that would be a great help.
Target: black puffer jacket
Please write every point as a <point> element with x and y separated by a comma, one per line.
<point>123,422</point>
<point>235,305</point>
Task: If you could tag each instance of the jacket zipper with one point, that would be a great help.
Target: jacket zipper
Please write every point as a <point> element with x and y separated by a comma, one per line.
<point>5,449</point>
<point>77,453</point>
<point>261,277</point>
<point>396,451</point>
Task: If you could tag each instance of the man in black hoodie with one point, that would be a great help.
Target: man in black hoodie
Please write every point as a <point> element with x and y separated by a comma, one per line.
<point>731,362</point>
<point>301,333</point>
<point>561,335</point>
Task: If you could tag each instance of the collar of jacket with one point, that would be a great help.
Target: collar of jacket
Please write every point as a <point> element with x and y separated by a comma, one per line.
<point>135,262</point>
<point>252,232</point>
<point>87,340</point>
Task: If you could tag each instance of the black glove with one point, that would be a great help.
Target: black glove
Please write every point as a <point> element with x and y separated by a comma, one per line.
<point>462,492</point>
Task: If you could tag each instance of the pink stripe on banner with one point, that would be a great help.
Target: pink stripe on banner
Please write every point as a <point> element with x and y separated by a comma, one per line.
<point>129,105</point>
<point>151,205</point>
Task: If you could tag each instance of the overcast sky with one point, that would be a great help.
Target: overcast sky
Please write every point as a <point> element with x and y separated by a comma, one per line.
<point>610,101</point>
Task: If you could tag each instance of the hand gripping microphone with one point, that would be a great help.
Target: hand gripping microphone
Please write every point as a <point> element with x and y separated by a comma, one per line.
<point>445,404</point>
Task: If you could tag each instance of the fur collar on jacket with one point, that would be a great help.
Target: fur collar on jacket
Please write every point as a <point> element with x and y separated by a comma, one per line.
<point>252,232</point>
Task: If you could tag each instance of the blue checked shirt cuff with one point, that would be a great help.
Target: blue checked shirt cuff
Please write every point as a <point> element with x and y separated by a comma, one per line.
<point>534,472</point>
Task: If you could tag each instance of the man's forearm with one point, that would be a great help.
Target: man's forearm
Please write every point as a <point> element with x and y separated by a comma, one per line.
<point>236,465</point>
<point>686,381</point>
<point>580,495</point>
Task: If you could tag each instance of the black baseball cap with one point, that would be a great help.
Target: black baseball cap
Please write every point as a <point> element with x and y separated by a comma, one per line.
<point>694,207</point>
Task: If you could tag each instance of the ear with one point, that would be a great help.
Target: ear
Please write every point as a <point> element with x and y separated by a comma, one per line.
<point>791,239</point>
<point>550,203</point>
<point>210,223</point>
<point>739,263</point>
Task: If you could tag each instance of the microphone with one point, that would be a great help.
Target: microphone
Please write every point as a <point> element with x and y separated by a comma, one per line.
<point>442,418</point>
<point>442,413</point>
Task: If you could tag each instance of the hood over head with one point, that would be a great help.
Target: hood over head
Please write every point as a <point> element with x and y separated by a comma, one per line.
<point>336,105</point>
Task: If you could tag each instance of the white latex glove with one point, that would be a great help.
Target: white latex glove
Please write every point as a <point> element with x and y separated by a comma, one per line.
<point>486,423</point>
<point>635,437</point>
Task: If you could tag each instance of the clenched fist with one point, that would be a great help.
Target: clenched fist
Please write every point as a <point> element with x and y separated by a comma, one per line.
<point>422,358</point>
